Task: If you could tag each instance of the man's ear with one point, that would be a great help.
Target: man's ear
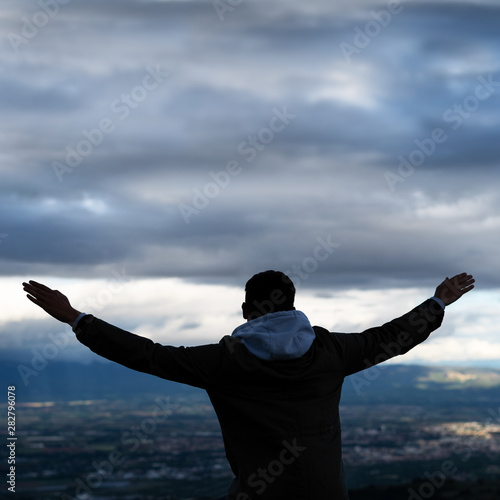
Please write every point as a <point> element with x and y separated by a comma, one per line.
<point>244,308</point>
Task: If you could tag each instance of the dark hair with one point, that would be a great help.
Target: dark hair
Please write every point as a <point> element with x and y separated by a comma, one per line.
<point>269,292</point>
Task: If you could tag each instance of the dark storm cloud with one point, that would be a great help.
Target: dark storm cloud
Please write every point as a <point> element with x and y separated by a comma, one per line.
<point>323,175</point>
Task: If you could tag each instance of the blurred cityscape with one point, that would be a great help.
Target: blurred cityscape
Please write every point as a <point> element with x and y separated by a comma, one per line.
<point>160,447</point>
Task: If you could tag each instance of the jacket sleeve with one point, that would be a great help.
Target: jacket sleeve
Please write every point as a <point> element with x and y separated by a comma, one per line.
<point>196,366</point>
<point>375,345</point>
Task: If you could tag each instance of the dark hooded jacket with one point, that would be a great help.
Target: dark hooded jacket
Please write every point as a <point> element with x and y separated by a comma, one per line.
<point>275,385</point>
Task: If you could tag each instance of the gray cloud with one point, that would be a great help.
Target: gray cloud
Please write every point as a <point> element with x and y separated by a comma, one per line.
<point>323,175</point>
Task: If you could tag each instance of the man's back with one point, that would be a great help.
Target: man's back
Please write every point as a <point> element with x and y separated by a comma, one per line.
<point>275,385</point>
<point>280,423</point>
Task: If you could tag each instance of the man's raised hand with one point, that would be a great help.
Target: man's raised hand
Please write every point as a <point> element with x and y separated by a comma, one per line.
<point>51,301</point>
<point>451,289</point>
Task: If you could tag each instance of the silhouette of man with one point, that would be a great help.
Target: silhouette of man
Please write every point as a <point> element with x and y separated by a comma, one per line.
<point>275,383</point>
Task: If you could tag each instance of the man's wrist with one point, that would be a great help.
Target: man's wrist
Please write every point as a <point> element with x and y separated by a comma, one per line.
<point>439,301</point>
<point>74,317</point>
<point>81,322</point>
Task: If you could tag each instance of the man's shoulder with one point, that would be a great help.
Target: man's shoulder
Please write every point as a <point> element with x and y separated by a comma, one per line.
<point>231,344</point>
<point>320,330</point>
<point>327,340</point>
<point>322,333</point>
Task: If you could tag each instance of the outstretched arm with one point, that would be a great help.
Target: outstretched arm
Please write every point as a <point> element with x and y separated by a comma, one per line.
<point>373,346</point>
<point>196,366</point>
<point>51,301</point>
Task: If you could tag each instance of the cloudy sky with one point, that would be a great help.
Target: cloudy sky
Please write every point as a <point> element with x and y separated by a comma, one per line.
<point>156,154</point>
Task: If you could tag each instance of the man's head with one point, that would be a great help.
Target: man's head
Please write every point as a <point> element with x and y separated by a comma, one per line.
<point>268,292</point>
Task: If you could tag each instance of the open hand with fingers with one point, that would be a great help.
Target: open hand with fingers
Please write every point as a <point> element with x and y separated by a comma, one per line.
<point>51,301</point>
<point>451,289</point>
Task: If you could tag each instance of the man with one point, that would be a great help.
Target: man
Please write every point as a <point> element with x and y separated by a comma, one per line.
<point>275,383</point>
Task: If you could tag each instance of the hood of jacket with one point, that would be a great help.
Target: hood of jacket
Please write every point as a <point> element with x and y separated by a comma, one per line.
<point>280,335</point>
